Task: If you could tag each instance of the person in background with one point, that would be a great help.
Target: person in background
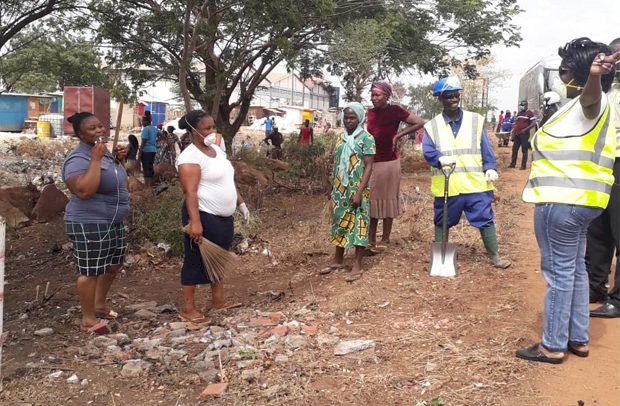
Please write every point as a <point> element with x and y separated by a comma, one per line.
<point>351,212</point>
<point>268,126</point>
<point>276,139</point>
<point>94,218</point>
<point>507,124</point>
<point>603,239</point>
<point>500,120</point>
<point>132,163</point>
<point>520,134</point>
<point>570,181</point>
<point>306,134</point>
<point>384,120</point>
<point>148,149</point>
<point>211,199</point>
<point>457,137</point>
<point>175,139</point>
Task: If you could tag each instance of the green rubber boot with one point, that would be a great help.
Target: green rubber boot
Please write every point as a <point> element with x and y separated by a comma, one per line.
<point>489,237</point>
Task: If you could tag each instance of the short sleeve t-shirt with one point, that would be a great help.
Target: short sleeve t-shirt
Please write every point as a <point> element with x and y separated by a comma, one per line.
<point>383,126</point>
<point>149,135</point>
<point>111,201</point>
<point>216,191</point>
<point>524,119</point>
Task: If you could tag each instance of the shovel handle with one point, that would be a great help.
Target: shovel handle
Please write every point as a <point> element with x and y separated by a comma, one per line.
<point>448,169</point>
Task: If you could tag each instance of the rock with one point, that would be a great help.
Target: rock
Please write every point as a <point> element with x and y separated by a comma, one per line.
<point>280,330</point>
<point>203,365</point>
<point>47,331</point>
<point>347,347</point>
<point>165,308</point>
<point>309,330</point>
<point>177,354</point>
<point>250,375</point>
<point>145,344</point>
<point>275,391</point>
<point>113,348</point>
<point>326,339</point>
<point>262,322</point>
<point>178,325</point>
<point>179,340</point>
<point>121,339</point>
<point>246,363</point>
<point>334,330</point>
<point>277,317</point>
<point>139,306</point>
<point>20,197</point>
<point>84,382</point>
<point>217,344</point>
<point>274,339</point>
<point>281,358</point>
<point>51,203</point>
<point>55,375</point>
<point>295,342</point>
<point>213,390</point>
<point>103,341</point>
<point>73,379</point>
<point>176,333</point>
<point>218,332</point>
<point>134,185</point>
<point>145,314</point>
<point>155,354</point>
<point>13,216</point>
<point>135,367</point>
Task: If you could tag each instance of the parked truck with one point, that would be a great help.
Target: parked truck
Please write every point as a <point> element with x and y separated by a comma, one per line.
<point>537,84</point>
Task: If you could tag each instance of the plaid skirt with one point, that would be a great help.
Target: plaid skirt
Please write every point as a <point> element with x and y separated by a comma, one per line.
<point>96,246</point>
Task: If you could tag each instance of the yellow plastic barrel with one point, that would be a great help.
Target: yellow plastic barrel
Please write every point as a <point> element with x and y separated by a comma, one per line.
<point>44,129</point>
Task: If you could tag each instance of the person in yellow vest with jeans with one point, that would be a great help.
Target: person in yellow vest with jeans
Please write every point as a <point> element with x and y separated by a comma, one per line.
<point>570,183</point>
<point>457,137</point>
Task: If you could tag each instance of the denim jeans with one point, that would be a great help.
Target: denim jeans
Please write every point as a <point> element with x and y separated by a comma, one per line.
<point>561,234</point>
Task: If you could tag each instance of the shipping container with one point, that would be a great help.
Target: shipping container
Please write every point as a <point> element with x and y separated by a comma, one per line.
<point>87,99</point>
<point>13,112</point>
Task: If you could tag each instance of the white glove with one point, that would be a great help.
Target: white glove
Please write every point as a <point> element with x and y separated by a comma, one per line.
<point>243,209</point>
<point>445,160</point>
<point>492,175</point>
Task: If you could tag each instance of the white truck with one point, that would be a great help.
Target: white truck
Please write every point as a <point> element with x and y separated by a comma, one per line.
<point>541,87</point>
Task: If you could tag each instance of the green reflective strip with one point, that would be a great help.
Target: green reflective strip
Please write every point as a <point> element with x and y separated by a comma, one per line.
<point>459,169</point>
<point>570,183</point>
<point>463,151</point>
<point>600,141</point>
<point>475,144</point>
<point>573,156</point>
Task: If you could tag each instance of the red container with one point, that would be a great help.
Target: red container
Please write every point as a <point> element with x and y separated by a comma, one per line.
<point>92,99</point>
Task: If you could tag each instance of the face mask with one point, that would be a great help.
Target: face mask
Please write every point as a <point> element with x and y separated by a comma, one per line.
<point>210,139</point>
<point>564,93</point>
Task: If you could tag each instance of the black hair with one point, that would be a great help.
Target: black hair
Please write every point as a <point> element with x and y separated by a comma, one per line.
<point>191,119</point>
<point>170,129</point>
<point>77,119</point>
<point>577,56</point>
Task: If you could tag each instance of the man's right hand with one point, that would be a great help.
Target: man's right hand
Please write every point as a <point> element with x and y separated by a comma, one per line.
<point>445,160</point>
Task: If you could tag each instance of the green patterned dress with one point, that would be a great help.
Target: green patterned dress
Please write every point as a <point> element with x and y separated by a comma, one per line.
<point>349,225</point>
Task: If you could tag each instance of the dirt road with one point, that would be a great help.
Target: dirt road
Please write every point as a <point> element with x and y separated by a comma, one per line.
<point>594,380</point>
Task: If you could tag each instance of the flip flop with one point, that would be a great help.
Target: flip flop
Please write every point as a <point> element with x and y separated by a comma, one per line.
<point>329,269</point>
<point>573,349</point>
<point>377,248</point>
<point>352,277</point>
<point>534,353</point>
<point>227,306</point>
<point>101,328</point>
<point>195,320</point>
<point>110,315</point>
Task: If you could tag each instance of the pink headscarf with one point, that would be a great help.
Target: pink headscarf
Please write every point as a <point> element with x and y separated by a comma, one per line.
<point>383,86</point>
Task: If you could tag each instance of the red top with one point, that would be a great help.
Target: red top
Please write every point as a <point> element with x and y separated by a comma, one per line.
<point>305,136</point>
<point>383,125</point>
<point>524,119</point>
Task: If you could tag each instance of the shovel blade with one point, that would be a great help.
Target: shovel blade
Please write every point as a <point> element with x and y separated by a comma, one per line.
<point>447,267</point>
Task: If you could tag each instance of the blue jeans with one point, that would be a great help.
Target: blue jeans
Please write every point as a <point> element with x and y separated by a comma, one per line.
<point>561,234</point>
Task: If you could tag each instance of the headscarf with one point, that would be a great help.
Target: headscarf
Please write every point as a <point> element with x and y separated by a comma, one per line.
<point>383,86</point>
<point>349,141</point>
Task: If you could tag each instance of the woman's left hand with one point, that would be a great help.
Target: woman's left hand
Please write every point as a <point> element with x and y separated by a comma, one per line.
<point>604,64</point>
<point>120,152</point>
<point>356,199</point>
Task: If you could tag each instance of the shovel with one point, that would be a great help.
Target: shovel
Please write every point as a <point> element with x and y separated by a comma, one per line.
<point>443,258</point>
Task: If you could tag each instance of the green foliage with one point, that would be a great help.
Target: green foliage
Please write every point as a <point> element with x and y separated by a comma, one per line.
<point>158,219</point>
<point>423,102</point>
<point>312,165</point>
<point>438,401</point>
<point>50,62</point>
<point>248,353</point>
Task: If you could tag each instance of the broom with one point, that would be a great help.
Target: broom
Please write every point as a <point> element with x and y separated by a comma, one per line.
<point>217,261</point>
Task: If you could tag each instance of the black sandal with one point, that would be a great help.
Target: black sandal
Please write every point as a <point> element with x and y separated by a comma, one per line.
<point>572,348</point>
<point>534,353</point>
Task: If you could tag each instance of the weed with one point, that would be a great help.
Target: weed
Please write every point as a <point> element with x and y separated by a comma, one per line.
<point>248,353</point>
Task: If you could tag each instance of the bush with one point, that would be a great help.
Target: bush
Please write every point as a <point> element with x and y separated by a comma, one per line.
<point>311,162</point>
<point>158,218</point>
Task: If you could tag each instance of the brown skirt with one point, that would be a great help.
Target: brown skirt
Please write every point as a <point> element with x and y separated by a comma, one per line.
<point>385,190</point>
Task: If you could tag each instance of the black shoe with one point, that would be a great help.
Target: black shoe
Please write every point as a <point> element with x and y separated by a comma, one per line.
<point>523,168</point>
<point>607,311</point>
<point>511,166</point>
<point>594,298</point>
<point>534,353</point>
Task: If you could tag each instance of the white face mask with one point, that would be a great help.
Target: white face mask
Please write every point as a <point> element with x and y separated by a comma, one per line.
<point>210,139</point>
<point>564,90</point>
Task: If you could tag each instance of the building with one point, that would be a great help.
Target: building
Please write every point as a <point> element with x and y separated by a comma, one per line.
<point>280,89</point>
<point>20,110</point>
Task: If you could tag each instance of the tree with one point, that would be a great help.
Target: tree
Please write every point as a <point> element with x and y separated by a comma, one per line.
<point>37,63</point>
<point>15,15</point>
<point>423,102</point>
<point>220,51</point>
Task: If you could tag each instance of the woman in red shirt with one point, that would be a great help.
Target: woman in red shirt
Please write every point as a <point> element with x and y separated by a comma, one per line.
<point>306,135</point>
<point>383,122</point>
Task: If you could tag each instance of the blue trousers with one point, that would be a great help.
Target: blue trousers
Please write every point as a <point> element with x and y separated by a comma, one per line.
<point>477,208</point>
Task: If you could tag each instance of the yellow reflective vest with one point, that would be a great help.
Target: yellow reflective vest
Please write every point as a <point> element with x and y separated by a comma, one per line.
<point>468,175</point>
<point>572,168</point>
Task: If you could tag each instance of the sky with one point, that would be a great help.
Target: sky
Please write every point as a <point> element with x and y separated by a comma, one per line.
<point>545,26</point>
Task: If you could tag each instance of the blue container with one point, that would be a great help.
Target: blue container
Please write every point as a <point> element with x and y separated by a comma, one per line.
<point>13,112</point>
<point>158,112</point>
<point>56,105</point>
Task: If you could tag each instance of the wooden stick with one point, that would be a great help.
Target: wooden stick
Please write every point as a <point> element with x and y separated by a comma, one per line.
<point>2,241</point>
<point>36,299</point>
<point>117,130</point>
<point>47,288</point>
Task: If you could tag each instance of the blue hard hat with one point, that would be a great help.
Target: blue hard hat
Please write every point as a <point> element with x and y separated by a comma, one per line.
<point>447,84</point>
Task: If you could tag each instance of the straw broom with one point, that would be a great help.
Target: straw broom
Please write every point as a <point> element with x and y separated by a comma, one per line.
<point>217,261</point>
